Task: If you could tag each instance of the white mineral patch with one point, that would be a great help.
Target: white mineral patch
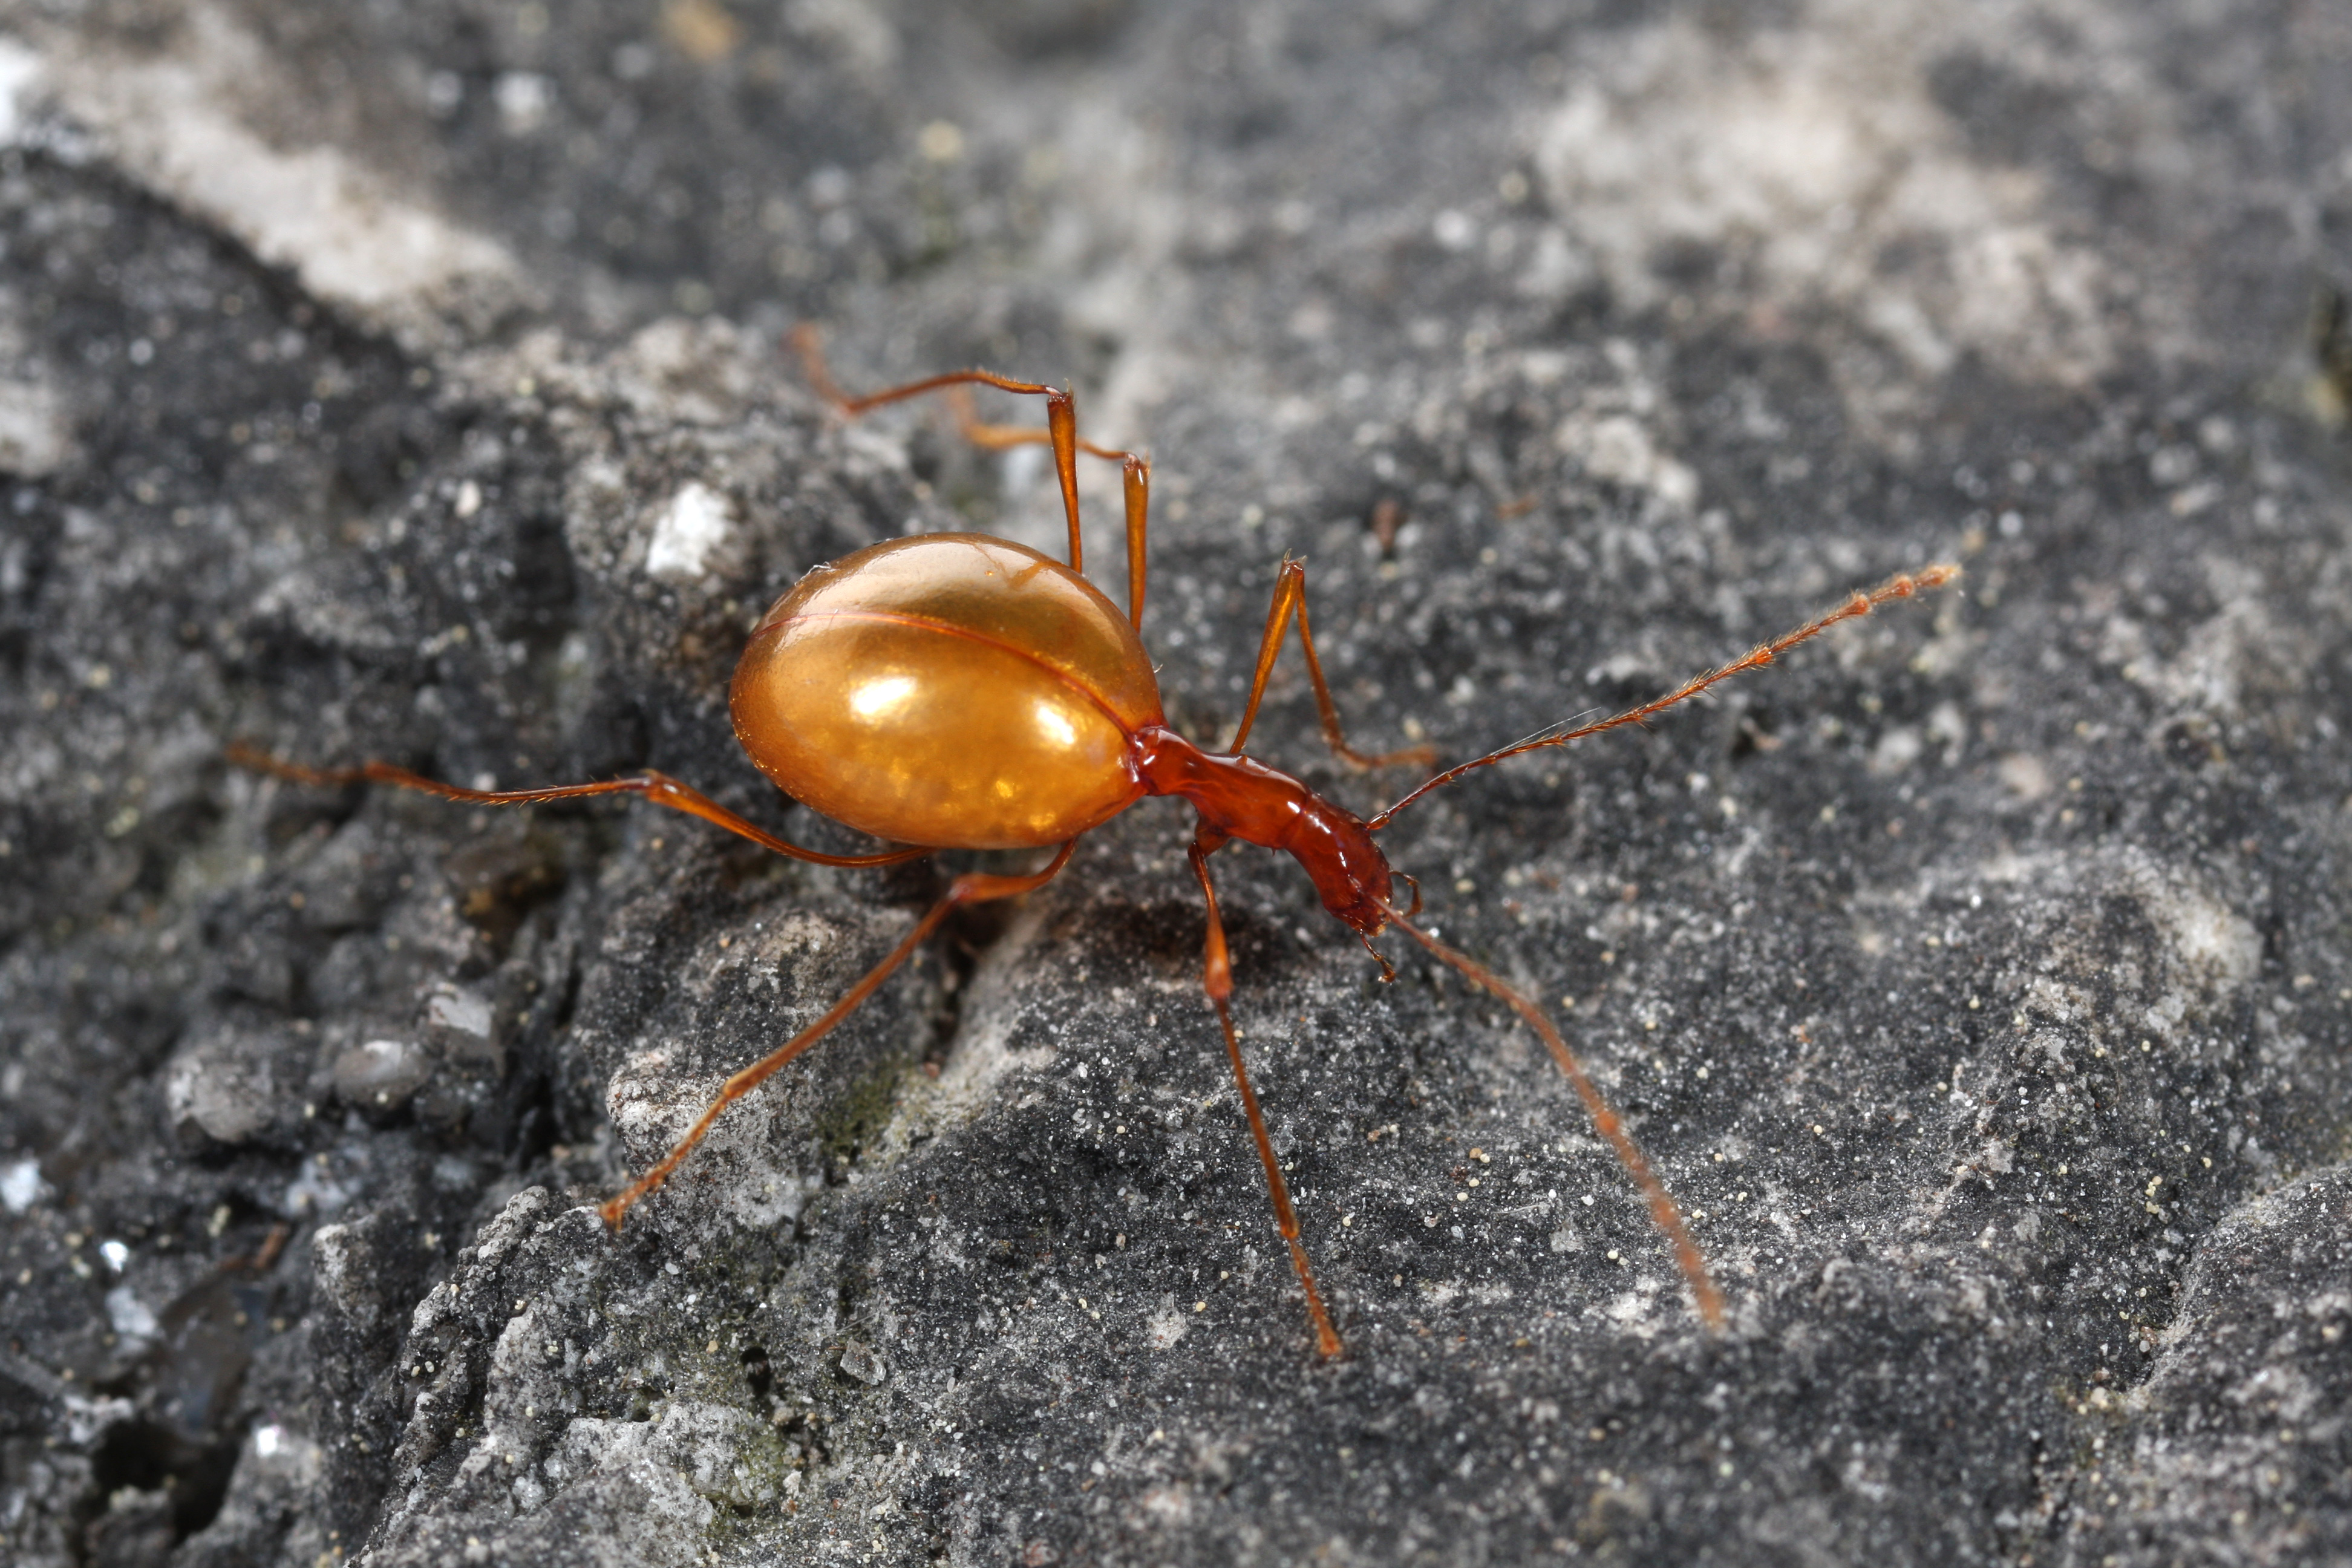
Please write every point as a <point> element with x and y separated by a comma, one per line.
<point>36,435</point>
<point>2024,775</point>
<point>340,1266</point>
<point>690,1452</point>
<point>132,1317</point>
<point>465,1020</point>
<point>20,72</point>
<point>751,1181</point>
<point>381,1072</point>
<point>2218,948</point>
<point>862,34</point>
<point>1896,749</point>
<point>695,523</point>
<point>1617,450</point>
<point>313,1191</point>
<point>2215,940</point>
<point>178,124</point>
<point>20,1186</point>
<point>970,1081</point>
<point>524,99</point>
<point>223,1086</point>
<point>1166,1326</point>
<point>2240,647</point>
<point>1810,155</point>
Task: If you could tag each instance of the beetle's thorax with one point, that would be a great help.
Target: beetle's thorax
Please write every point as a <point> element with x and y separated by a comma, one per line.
<point>1240,799</point>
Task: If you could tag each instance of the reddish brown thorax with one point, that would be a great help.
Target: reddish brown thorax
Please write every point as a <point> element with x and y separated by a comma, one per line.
<point>1240,799</point>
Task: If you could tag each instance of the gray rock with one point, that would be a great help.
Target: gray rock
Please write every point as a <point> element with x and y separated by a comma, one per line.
<point>2239,1419</point>
<point>410,384</point>
<point>380,1074</point>
<point>225,1087</point>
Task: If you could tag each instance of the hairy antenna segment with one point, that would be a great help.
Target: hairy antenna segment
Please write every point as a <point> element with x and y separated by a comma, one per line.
<point>1901,586</point>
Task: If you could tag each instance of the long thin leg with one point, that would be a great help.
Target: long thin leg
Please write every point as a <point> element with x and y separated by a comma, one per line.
<point>1289,602</point>
<point>1217,979</point>
<point>1135,474</point>
<point>1061,414</point>
<point>1901,586</point>
<point>659,788</point>
<point>1605,1116</point>
<point>970,888</point>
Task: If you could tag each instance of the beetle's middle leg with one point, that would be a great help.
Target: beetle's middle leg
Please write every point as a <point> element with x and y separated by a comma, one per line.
<point>1289,602</point>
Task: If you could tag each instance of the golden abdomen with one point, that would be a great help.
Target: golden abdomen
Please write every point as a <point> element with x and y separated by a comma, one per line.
<point>950,689</point>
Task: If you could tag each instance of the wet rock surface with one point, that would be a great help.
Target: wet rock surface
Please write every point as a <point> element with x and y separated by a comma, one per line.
<point>412,386</point>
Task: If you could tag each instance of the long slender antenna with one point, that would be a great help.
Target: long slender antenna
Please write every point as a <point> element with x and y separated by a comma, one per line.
<point>1605,1120</point>
<point>1901,586</point>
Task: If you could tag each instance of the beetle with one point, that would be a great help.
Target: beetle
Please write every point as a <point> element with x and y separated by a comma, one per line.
<point>963,691</point>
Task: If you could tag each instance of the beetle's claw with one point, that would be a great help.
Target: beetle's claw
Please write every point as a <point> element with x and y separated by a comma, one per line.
<point>1415,886</point>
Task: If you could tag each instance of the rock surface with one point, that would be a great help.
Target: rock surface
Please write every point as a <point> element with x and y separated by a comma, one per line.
<point>408,382</point>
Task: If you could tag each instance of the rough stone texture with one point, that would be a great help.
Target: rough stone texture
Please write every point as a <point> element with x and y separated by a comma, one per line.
<point>407,381</point>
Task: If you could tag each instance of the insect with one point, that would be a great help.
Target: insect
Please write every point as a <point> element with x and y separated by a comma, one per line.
<point>961,691</point>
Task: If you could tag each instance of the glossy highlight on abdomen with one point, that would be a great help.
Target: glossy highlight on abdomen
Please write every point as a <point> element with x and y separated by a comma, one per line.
<point>949,690</point>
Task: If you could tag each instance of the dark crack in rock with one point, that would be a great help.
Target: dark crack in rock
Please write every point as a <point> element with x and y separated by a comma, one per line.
<point>411,384</point>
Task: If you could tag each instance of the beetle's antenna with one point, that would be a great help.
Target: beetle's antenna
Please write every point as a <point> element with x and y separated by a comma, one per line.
<point>1605,1116</point>
<point>1901,586</point>
<point>1551,731</point>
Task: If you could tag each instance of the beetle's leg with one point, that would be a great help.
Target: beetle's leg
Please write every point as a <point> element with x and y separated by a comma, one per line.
<point>1605,1120</point>
<point>1135,474</point>
<point>1289,601</point>
<point>970,888</point>
<point>1061,414</point>
<point>659,788</point>
<point>1217,979</point>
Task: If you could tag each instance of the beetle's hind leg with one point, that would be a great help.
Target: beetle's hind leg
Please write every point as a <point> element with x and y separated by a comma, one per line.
<point>1290,604</point>
<point>1061,433</point>
<point>657,787</point>
<point>970,888</point>
<point>1134,471</point>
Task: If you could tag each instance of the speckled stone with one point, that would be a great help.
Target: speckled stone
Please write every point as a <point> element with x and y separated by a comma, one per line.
<point>411,384</point>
